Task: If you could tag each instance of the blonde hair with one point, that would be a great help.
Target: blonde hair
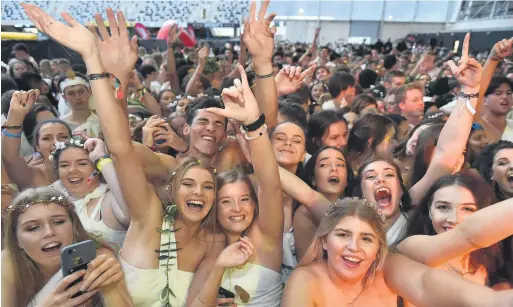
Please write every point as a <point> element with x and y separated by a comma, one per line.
<point>28,280</point>
<point>342,208</point>
<point>209,222</point>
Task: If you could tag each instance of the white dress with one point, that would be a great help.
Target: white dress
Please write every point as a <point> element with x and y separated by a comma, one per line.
<point>289,255</point>
<point>263,285</point>
<point>146,285</point>
<point>397,231</point>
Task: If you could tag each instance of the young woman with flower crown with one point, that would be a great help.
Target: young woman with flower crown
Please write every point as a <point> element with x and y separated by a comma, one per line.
<point>348,264</point>
<point>164,245</point>
<point>39,223</point>
<point>100,207</point>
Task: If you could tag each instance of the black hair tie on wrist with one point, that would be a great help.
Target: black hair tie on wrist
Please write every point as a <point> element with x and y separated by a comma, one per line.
<point>257,124</point>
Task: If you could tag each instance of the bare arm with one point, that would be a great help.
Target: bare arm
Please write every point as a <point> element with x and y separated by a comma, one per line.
<point>425,286</point>
<point>8,286</point>
<point>191,88</point>
<point>500,50</point>
<point>480,230</point>
<point>296,188</point>
<point>454,135</point>
<point>171,63</point>
<point>259,39</point>
<point>298,289</point>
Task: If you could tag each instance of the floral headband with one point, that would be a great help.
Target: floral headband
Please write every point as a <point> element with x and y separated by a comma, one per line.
<point>59,146</point>
<point>363,202</point>
<point>54,200</point>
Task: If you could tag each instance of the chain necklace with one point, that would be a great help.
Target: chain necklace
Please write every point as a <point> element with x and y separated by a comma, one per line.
<point>455,270</point>
<point>354,301</point>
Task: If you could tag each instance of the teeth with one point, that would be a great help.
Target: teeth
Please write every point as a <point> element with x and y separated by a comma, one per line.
<point>208,138</point>
<point>352,259</point>
<point>75,179</point>
<point>383,190</point>
<point>237,218</point>
<point>51,245</point>
<point>195,202</point>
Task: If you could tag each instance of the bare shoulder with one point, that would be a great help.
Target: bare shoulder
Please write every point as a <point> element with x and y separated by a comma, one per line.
<point>308,274</point>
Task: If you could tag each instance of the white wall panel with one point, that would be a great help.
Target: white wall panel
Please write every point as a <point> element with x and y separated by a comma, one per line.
<point>396,30</point>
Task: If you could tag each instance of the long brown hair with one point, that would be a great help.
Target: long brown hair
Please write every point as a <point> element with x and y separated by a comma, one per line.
<point>28,280</point>
<point>209,222</point>
<point>342,208</point>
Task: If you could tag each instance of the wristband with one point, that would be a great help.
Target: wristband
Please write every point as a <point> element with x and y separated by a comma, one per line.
<point>117,83</point>
<point>101,158</point>
<point>142,91</point>
<point>264,76</point>
<point>469,106</point>
<point>102,163</point>
<point>252,138</point>
<point>11,127</point>
<point>257,124</point>
<point>11,135</point>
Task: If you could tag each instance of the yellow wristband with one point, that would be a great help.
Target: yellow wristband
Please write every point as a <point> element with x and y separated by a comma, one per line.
<point>102,163</point>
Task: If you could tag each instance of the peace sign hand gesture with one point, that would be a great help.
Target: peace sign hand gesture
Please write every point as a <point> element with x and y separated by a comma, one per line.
<point>75,36</point>
<point>239,102</point>
<point>468,71</point>
<point>258,36</point>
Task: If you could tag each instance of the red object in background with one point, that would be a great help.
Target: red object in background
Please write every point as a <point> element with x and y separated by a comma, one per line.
<point>141,30</point>
<point>187,36</point>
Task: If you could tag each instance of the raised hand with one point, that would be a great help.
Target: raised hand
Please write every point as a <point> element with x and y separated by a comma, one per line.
<point>95,148</point>
<point>202,56</point>
<point>290,79</point>
<point>239,102</point>
<point>236,254</point>
<point>258,36</point>
<point>173,35</point>
<point>169,138</point>
<point>61,295</point>
<point>74,36</point>
<point>117,52</point>
<point>468,71</point>
<point>502,49</point>
<point>21,103</point>
<point>104,271</point>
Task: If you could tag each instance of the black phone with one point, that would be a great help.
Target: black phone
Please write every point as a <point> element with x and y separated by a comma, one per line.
<point>223,293</point>
<point>75,258</point>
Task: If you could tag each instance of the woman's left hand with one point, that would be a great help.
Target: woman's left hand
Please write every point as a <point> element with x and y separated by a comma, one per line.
<point>95,148</point>
<point>104,271</point>
<point>239,102</point>
<point>236,254</point>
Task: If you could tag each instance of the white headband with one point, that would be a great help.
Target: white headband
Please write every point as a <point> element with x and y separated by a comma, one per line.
<point>75,81</point>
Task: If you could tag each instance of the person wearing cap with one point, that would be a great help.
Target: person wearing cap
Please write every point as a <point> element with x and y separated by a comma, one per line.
<point>77,94</point>
<point>21,52</point>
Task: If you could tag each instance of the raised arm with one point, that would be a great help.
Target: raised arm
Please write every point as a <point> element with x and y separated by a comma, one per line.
<point>500,50</point>
<point>259,38</point>
<point>191,88</point>
<point>172,40</point>
<point>296,188</point>
<point>146,97</point>
<point>96,149</point>
<point>424,286</point>
<point>241,105</point>
<point>16,167</point>
<point>454,135</point>
<point>117,55</point>
<point>479,230</point>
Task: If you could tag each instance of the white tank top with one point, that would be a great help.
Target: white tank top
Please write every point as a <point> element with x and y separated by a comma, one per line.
<point>263,285</point>
<point>146,285</point>
<point>289,255</point>
<point>98,227</point>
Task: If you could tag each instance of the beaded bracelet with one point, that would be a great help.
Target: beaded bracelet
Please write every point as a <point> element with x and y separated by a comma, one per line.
<point>470,108</point>
<point>11,127</point>
<point>252,138</point>
<point>264,76</point>
<point>117,83</point>
<point>11,135</point>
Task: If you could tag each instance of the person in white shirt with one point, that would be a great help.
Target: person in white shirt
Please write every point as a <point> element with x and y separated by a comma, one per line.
<point>497,104</point>
<point>341,88</point>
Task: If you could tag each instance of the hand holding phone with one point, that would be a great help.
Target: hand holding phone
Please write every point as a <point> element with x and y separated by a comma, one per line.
<point>64,294</point>
<point>75,258</point>
<point>225,297</point>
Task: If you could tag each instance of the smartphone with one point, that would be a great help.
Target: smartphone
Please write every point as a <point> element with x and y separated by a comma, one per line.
<point>75,258</point>
<point>223,293</point>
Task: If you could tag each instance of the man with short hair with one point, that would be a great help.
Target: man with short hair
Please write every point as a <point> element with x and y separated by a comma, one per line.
<point>21,52</point>
<point>410,100</point>
<point>149,74</point>
<point>63,65</point>
<point>341,88</point>
<point>205,130</point>
<point>394,79</point>
<point>76,92</point>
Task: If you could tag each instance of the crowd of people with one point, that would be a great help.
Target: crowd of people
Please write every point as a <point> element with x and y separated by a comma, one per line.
<point>270,174</point>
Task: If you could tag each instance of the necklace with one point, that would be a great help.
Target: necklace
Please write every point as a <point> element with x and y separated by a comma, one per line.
<point>354,301</point>
<point>455,270</point>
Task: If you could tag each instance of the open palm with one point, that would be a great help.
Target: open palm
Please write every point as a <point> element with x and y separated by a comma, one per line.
<point>74,36</point>
<point>258,36</point>
<point>118,54</point>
